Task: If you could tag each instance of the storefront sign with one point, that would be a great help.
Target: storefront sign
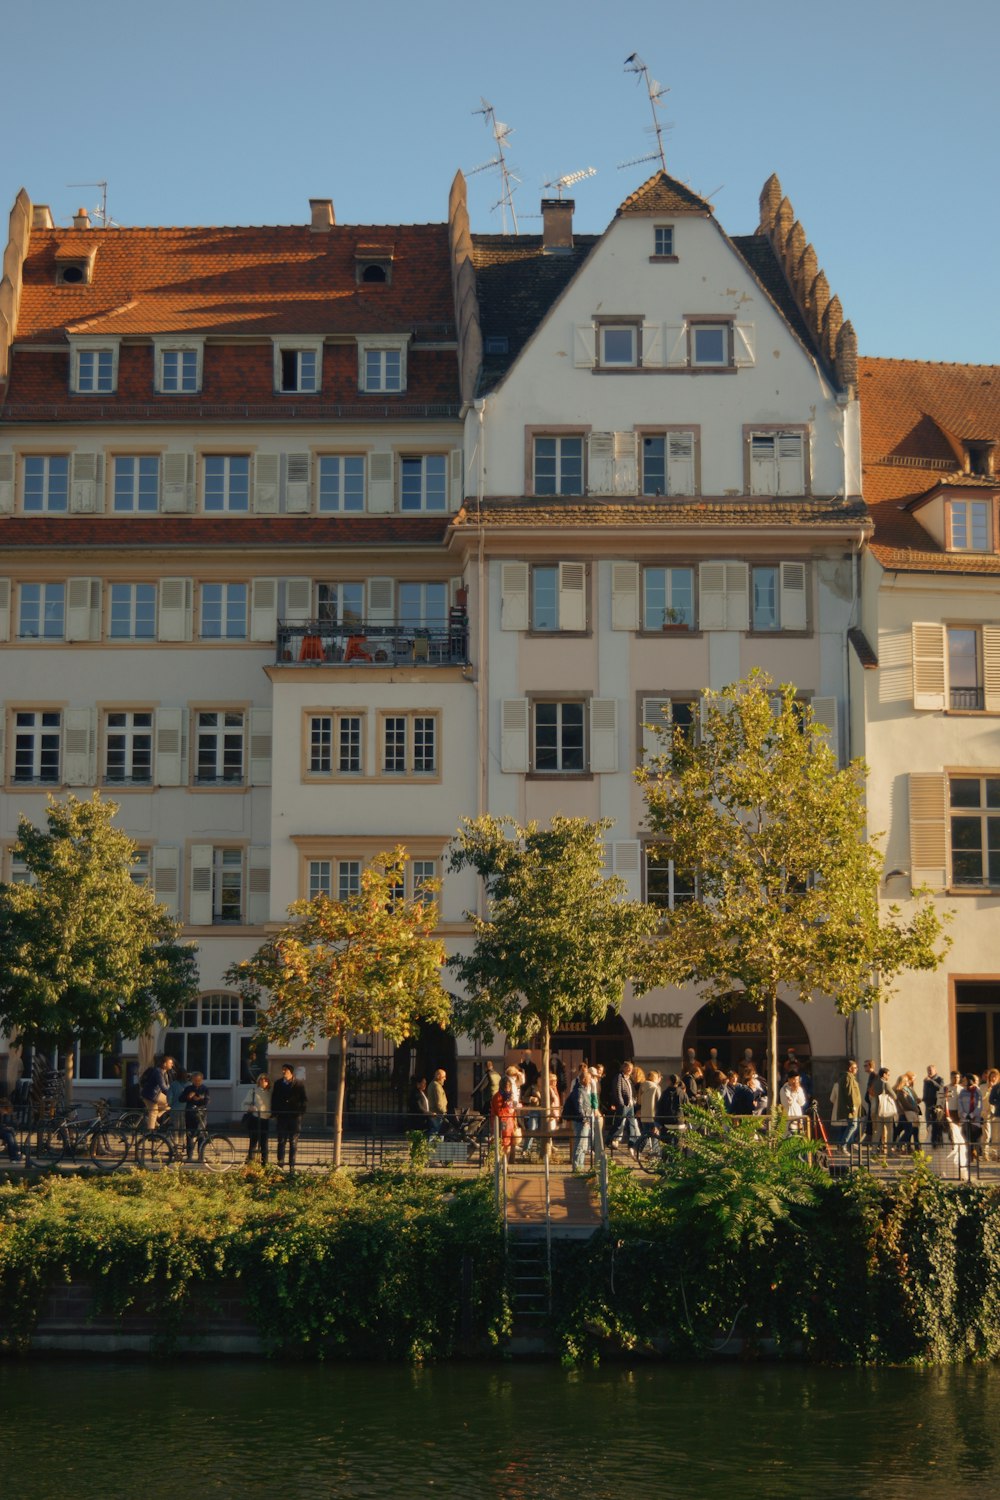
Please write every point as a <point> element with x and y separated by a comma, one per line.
<point>659,1018</point>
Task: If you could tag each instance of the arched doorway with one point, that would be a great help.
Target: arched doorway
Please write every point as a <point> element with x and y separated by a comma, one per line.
<point>608,1042</point>
<point>735,1029</point>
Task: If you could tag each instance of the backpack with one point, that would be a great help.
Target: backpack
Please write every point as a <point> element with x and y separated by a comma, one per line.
<point>571,1109</point>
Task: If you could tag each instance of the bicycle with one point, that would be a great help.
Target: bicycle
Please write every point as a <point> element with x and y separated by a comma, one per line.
<point>63,1137</point>
<point>168,1144</point>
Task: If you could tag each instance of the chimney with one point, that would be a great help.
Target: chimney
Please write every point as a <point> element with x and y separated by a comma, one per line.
<point>557,225</point>
<point>81,219</point>
<point>322,215</point>
<point>41,216</point>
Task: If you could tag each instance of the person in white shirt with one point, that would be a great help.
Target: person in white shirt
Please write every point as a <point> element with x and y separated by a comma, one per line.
<point>793,1102</point>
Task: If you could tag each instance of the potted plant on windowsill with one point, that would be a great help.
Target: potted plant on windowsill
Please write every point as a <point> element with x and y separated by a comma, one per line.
<point>673,620</point>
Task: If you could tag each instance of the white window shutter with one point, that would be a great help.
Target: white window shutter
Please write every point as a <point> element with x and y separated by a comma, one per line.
<point>676,345</point>
<point>826,714</point>
<point>791,464</point>
<point>793,596</point>
<point>170,724</point>
<point>603,734</point>
<point>381,600</point>
<point>166,868</point>
<point>624,596</point>
<point>78,747</point>
<point>600,463</point>
<point>928,665</point>
<point>514,715</point>
<point>178,482</point>
<point>763,469</point>
<point>991,668</point>
<point>86,473</point>
<point>265,483</point>
<point>6,483</point>
<point>263,609</point>
<point>175,609</point>
<point>743,345</point>
<point>572,596</point>
<point>928,829</point>
<point>585,346</point>
<point>652,345</point>
<point>513,596</point>
<point>457,478</point>
<point>626,464</point>
<point>298,600</point>
<point>200,887</point>
<point>680,463</point>
<point>258,907</point>
<point>712,595</point>
<point>655,716</point>
<point>381,468</point>
<point>83,609</point>
<point>4,609</point>
<point>3,727</point>
<point>297,470</point>
<point>626,863</point>
<point>260,746</point>
<point>737,596</point>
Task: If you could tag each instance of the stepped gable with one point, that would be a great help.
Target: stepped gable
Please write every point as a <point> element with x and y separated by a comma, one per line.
<point>915,418</point>
<point>517,282</point>
<point>663,194</point>
<point>760,258</point>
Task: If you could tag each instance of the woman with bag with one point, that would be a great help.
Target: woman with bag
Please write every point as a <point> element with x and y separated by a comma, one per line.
<point>908,1105</point>
<point>257,1118</point>
<point>885,1111</point>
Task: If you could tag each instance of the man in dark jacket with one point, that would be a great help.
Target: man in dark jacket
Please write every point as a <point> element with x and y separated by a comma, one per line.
<point>625,1107</point>
<point>670,1110</point>
<point>195,1099</point>
<point>288,1105</point>
<point>933,1084</point>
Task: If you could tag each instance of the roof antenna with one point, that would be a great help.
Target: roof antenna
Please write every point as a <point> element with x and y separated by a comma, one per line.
<point>501,134</point>
<point>101,212</point>
<point>561,183</point>
<point>656,91</point>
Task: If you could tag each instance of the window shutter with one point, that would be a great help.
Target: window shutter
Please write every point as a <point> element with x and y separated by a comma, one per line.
<point>676,344</point>
<point>200,893</point>
<point>624,596</point>
<point>680,463</point>
<point>655,715</point>
<point>457,478</point>
<point>626,464</point>
<point>87,471</point>
<point>928,829</point>
<point>297,469</point>
<point>791,466</point>
<point>626,863</point>
<point>600,463</point>
<point>991,667</point>
<point>170,746</point>
<point>258,884</point>
<point>572,596</point>
<point>793,596</point>
<point>737,596</point>
<point>260,746</point>
<point>3,727</point>
<point>4,609</point>
<point>78,746</point>
<point>712,596</point>
<point>652,346</point>
<point>265,483</point>
<point>826,715</point>
<point>6,483</point>
<point>381,600</point>
<point>603,734</point>
<point>166,865</point>
<point>263,609</point>
<point>763,473</point>
<point>513,596</point>
<point>178,482</point>
<point>380,477</point>
<point>585,346</point>
<point>743,345</point>
<point>514,734</point>
<point>298,600</point>
<point>83,609</point>
<point>928,665</point>
<point>175,609</point>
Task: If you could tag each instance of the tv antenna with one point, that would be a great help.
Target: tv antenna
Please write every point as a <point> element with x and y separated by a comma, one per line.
<point>501,134</point>
<point>656,91</point>
<point>561,183</point>
<point>101,212</point>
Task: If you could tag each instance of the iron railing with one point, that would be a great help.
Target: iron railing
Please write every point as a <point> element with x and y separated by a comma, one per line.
<point>394,643</point>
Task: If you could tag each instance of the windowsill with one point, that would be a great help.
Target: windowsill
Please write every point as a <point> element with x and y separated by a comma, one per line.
<point>972,890</point>
<point>784,635</point>
<point>969,713</point>
<point>559,635</point>
<point>217,786</point>
<point>559,775</point>
<point>298,393</point>
<point>653,634</point>
<point>664,260</point>
<point>666,370</point>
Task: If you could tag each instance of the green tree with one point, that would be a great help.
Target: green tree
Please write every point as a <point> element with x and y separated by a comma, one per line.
<point>86,954</point>
<point>369,963</point>
<point>787,878</point>
<point>559,940</point>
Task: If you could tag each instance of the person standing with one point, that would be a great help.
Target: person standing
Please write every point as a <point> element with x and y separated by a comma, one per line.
<point>437,1099</point>
<point>418,1104</point>
<point>933,1084</point>
<point>154,1086</point>
<point>257,1114</point>
<point>625,1106</point>
<point>793,1102</point>
<point>846,1101</point>
<point>288,1105</point>
<point>504,1110</point>
<point>649,1093</point>
<point>884,1112</point>
<point>579,1112</point>
<point>487,1086</point>
<point>195,1099</point>
<point>970,1113</point>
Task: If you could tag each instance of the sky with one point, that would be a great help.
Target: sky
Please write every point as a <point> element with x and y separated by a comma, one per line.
<point>879,117</point>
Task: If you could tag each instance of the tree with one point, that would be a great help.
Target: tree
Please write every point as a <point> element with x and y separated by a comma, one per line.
<point>559,941</point>
<point>787,878</point>
<point>86,954</point>
<point>369,963</point>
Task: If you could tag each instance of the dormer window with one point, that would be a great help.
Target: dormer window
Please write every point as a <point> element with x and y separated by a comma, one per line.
<point>93,368</point>
<point>373,264</point>
<point>382,365</point>
<point>178,366</point>
<point>74,267</point>
<point>969,525</point>
<point>298,366</point>
<point>979,457</point>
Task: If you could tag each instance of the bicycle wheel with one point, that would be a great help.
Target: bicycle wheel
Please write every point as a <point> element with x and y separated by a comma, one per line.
<point>46,1144</point>
<point>108,1149</point>
<point>153,1151</point>
<point>218,1154</point>
<point>650,1156</point>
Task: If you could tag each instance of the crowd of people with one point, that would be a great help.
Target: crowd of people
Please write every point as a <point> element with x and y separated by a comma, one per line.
<point>163,1088</point>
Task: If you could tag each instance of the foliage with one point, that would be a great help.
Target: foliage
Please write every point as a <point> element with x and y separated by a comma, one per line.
<point>85,953</point>
<point>788,880</point>
<point>368,963</point>
<point>559,941</point>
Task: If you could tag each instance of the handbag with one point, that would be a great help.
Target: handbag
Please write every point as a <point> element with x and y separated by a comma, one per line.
<point>885,1107</point>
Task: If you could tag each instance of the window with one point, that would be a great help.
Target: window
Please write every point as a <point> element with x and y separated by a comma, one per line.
<point>219,738</point>
<point>663,239</point>
<point>349,731</point>
<point>336,744</point>
<point>422,872</point>
<point>97,1067</point>
<point>970,525</point>
<point>141,871</point>
<point>348,878</point>
<point>223,611</point>
<point>965,667</point>
<point>666,886</point>
<point>409,744</point>
<point>778,596</point>
<point>41,612</point>
<point>382,369</point>
<point>777,465</point>
<point>46,483</point>
<point>128,750</point>
<point>661,718</point>
<point>423,480</point>
<point>710,344</point>
<point>136,484</point>
<point>764,608</point>
<point>227,885</point>
<point>37,737</point>
<point>975,830</point>
<point>341,482</point>
<point>558,466</point>
<point>423,604</point>
<point>320,759</point>
<point>668,464</point>
<point>132,612</point>
<point>179,371</point>
<point>341,603</point>
<point>667,598</point>
<point>559,740</point>
<point>320,877</point>
<point>298,370</point>
<point>227,482</point>
<point>211,1035</point>
<point>619,344</point>
<point>559,597</point>
<point>956,667</point>
<point>95,371</point>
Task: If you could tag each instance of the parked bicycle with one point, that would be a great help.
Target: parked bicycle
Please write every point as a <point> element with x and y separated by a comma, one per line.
<point>168,1144</point>
<point>65,1137</point>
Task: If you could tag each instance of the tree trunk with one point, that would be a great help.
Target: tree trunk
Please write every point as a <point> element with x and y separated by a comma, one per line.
<point>338,1110</point>
<point>771,1027</point>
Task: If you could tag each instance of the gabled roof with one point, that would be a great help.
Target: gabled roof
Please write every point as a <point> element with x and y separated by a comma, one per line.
<point>915,416</point>
<point>517,283</point>
<point>662,194</point>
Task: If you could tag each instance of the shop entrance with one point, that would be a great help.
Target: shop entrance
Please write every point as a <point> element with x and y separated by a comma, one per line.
<point>608,1042</point>
<point>977,1025</point>
<point>737,1029</point>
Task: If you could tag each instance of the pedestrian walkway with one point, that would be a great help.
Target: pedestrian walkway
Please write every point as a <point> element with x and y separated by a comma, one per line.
<point>573,1200</point>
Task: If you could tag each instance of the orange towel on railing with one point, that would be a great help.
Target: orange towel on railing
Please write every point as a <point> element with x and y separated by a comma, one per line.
<point>312,648</point>
<point>355,649</point>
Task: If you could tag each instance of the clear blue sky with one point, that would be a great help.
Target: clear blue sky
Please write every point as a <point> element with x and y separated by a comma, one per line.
<point>879,116</point>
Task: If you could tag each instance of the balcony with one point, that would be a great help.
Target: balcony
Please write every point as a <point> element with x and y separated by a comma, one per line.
<point>370,643</point>
<point>967,698</point>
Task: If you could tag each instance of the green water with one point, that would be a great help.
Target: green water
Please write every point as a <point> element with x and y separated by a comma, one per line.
<point>85,1430</point>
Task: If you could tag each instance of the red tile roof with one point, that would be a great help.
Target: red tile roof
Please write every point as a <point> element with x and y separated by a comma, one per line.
<point>192,533</point>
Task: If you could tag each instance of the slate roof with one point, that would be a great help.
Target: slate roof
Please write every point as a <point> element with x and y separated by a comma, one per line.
<point>664,514</point>
<point>229,532</point>
<point>517,283</point>
<point>914,418</point>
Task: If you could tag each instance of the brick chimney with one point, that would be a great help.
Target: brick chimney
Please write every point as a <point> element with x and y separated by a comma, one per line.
<point>557,225</point>
<point>323,219</point>
<point>41,216</point>
<point>81,219</point>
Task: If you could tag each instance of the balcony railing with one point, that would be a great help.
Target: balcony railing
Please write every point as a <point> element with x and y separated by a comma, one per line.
<point>370,643</point>
<point>967,698</point>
